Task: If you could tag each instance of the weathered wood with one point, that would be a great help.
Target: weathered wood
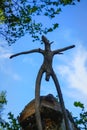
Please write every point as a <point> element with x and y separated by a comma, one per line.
<point>51,115</point>
<point>48,69</point>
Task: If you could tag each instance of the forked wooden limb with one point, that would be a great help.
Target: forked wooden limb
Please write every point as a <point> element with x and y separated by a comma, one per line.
<point>37,99</point>
<point>61,101</point>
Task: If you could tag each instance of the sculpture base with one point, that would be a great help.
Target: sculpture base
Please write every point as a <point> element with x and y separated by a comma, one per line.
<point>51,115</point>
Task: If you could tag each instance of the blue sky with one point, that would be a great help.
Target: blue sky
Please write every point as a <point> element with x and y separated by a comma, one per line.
<point>18,75</point>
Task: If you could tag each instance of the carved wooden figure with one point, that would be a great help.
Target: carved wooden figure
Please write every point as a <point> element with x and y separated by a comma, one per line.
<point>47,68</point>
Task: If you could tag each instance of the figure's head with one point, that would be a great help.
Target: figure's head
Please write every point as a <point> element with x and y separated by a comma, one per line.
<point>46,42</point>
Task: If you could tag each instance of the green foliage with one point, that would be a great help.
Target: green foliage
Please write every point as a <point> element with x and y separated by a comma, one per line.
<point>3,101</point>
<point>2,17</point>
<point>20,17</point>
<point>81,121</point>
<point>79,104</point>
<point>65,2</point>
<point>12,123</point>
<point>3,97</point>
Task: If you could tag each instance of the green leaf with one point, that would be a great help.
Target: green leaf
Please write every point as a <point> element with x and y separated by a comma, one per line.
<point>55,3</point>
<point>58,11</point>
<point>55,25</point>
<point>3,97</point>
<point>34,9</point>
<point>46,14</point>
<point>79,104</point>
<point>27,20</point>
<point>2,16</point>
<point>50,30</point>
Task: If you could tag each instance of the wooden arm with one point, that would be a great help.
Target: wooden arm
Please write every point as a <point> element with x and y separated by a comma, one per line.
<point>63,49</point>
<point>27,52</point>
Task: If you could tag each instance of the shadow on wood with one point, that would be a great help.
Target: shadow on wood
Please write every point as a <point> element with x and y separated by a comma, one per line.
<point>51,115</point>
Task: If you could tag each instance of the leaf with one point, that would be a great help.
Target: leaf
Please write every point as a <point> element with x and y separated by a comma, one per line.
<point>2,17</point>
<point>55,25</point>
<point>34,9</point>
<point>46,14</point>
<point>58,11</point>
<point>79,104</point>
<point>27,20</point>
<point>55,3</point>
<point>50,30</point>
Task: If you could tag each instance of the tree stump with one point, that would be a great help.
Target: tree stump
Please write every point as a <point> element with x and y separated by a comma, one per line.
<point>51,115</point>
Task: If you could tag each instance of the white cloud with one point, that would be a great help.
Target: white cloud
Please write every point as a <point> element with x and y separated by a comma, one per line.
<point>5,66</point>
<point>4,52</point>
<point>4,55</point>
<point>15,76</point>
<point>74,71</point>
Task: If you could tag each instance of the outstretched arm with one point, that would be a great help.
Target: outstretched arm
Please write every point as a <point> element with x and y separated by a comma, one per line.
<point>58,51</point>
<point>27,52</point>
